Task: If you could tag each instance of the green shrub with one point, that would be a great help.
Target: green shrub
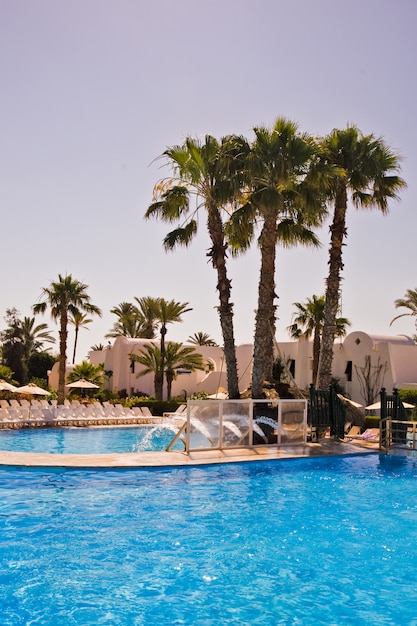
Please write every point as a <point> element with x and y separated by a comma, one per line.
<point>371,421</point>
<point>410,396</point>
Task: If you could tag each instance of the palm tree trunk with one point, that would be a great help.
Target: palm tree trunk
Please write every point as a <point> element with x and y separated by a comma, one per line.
<point>63,333</point>
<point>218,258</point>
<point>75,345</point>
<point>338,232</point>
<point>263,356</point>
<point>158,385</point>
<point>169,379</point>
<point>159,375</point>
<point>316,351</point>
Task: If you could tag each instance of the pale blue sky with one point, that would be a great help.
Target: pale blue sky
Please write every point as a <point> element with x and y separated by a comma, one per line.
<point>94,90</point>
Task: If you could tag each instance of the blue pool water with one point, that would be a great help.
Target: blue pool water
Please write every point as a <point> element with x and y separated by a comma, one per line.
<point>301,541</point>
<point>89,440</point>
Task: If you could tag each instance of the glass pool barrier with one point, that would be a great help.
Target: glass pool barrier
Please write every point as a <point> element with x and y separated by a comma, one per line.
<point>220,424</point>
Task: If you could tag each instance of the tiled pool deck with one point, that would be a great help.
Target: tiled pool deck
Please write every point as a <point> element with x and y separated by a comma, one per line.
<point>326,447</point>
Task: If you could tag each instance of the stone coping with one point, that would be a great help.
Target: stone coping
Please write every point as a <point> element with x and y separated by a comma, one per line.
<point>178,458</point>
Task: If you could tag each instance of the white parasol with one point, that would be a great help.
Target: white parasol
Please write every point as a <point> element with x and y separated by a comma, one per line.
<point>5,386</point>
<point>377,405</point>
<point>33,390</point>
<point>82,384</point>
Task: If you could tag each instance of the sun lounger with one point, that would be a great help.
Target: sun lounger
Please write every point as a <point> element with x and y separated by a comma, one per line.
<point>353,432</point>
<point>181,409</point>
<point>370,434</point>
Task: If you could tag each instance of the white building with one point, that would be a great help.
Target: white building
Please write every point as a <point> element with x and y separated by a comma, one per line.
<point>360,361</point>
<point>389,362</point>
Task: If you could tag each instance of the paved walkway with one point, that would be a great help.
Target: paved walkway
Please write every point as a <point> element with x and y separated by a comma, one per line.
<point>326,447</point>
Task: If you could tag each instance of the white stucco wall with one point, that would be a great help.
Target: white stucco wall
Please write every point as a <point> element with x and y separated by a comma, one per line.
<point>395,355</point>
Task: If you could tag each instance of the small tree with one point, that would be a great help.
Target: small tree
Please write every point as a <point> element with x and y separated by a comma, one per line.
<point>176,357</point>
<point>371,378</point>
<point>88,371</point>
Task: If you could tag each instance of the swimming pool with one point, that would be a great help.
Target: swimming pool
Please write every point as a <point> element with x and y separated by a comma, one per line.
<point>90,440</point>
<point>302,541</point>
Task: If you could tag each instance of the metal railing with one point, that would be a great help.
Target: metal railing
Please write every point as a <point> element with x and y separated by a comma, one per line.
<point>327,410</point>
<point>398,434</point>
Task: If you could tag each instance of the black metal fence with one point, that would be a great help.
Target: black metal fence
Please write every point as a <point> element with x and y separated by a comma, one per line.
<point>393,409</point>
<point>327,411</point>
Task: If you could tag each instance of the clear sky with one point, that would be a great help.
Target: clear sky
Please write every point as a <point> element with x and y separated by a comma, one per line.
<point>94,90</point>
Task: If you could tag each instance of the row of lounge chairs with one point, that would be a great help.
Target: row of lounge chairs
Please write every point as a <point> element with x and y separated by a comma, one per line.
<point>43,414</point>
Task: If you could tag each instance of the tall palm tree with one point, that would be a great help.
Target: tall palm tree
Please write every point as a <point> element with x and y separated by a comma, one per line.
<point>167,312</point>
<point>308,322</point>
<point>283,200</point>
<point>408,302</point>
<point>64,297</point>
<point>127,324</point>
<point>206,170</point>
<point>147,309</point>
<point>201,339</point>
<point>134,321</point>
<point>366,169</point>
<point>79,320</point>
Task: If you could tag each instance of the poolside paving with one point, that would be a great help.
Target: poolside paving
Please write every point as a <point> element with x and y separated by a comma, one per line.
<point>325,447</point>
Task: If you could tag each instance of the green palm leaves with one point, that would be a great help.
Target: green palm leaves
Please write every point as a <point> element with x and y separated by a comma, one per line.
<point>209,173</point>
<point>65,297</point>
<point>176,357</point>
<point>275,189</point>
<point>366,169</point>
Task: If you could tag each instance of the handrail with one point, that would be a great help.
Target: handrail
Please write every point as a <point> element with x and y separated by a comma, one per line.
<point>176,437</point>
<point>398,433</point>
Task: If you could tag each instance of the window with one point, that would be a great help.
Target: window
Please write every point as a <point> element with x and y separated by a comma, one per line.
<point>348,371</point>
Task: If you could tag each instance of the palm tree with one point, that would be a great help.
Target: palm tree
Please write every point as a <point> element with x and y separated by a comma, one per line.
<point>150,357</point>
<point>408,302</point>
<point>308,322</point>
<point>21,340</point>
<point>283,200</point>
<point>127,324</point>
<point>167,312</point>
<point>33,336</point>
<point>97,347</point>
<point>64,297</point>
<point>134,321</point>
<point>79,320</point>
<point>7,374</point>
<point>179,357</point>
<point>148,315</point>
<point>88,371</point>
<point>365,168</point>
<point>207,171</point>
<point>201,339</point>
<point>176,357</point>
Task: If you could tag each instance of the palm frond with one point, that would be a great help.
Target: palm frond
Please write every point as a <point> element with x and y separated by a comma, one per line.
<point>180,236</point>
